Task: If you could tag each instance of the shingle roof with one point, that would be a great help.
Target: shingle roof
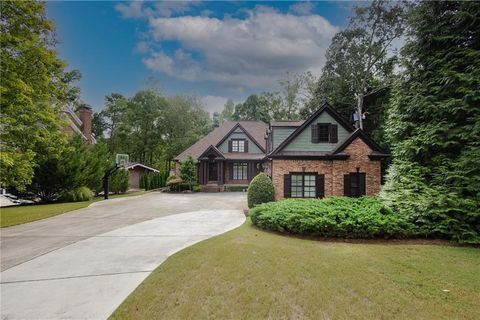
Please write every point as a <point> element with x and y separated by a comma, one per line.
<point>256,129</point>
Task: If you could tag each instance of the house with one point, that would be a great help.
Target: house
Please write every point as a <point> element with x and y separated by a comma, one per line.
<point>80,124</point>
<point>232,154</point>
<point>136,170</point>
<point>321,156</point>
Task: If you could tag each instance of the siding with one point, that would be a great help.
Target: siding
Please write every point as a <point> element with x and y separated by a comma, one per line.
<point>303,142</point>
<point>239,134</point>
<point>279,134</point>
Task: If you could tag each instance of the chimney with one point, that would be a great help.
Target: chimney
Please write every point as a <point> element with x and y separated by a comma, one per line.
<point>85,112</point>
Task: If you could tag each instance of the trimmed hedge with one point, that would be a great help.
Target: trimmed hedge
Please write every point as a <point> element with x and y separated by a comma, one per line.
<point>260,190</point>
<point>365,217</point>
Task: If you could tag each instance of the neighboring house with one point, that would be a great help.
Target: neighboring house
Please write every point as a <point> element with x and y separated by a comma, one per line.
<point>81,124</point>
<point>321,156</point>
<point>136,170</point>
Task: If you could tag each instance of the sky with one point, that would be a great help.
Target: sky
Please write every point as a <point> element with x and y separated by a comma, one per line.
<point>214,50</point>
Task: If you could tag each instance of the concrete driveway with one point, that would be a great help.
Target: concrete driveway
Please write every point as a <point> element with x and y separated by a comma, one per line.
<point>83,264</point>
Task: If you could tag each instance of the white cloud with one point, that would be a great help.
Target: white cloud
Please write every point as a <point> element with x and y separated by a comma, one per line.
<point>302,8</point>
<point>213,103</point>
<point>140,9</point>
<point>253,52</point>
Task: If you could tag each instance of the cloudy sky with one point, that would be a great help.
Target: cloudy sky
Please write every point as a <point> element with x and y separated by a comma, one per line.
<point>215,50</point>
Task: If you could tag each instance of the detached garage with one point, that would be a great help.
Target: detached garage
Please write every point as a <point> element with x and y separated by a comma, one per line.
<point>136,170</point>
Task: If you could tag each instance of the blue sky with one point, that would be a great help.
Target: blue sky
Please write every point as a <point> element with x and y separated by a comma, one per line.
<point>214,50</point>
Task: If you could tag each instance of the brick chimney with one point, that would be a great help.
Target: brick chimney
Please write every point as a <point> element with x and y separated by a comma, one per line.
<point>86,112</point>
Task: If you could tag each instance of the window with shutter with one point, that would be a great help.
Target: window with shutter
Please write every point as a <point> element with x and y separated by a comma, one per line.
<point>324,132</point>
<point>354,184</point>
<point>303,185</point>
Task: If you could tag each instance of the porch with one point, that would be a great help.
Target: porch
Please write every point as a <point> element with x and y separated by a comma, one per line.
<point>215,173</point>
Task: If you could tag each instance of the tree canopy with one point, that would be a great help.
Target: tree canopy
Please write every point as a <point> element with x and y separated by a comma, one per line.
<point>32,91</point>
<point>434,122</point>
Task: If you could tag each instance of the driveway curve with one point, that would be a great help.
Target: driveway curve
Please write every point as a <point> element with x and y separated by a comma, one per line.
<point>89,278</point>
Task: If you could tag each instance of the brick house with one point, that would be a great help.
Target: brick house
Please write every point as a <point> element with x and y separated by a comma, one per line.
<point>321,156</point>
<point>80,124</point>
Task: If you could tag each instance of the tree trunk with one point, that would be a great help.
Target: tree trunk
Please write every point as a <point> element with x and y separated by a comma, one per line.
<point>360,110</point>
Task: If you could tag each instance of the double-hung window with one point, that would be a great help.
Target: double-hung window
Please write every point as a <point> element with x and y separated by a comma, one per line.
<point>240,171</point>
<point>238,145</point>
<point>303,186</point>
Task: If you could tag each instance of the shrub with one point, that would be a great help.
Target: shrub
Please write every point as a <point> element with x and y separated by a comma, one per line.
<point>174,182</point>
<point>77,194</point>
<point>119,181</point>
<point>365,217</point>
<point>188,171</point>
<point>260,190</point>
<point>196,188</point>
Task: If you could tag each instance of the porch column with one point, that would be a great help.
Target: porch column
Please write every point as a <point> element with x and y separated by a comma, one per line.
<point>220,177</point>
<point>202,179</point>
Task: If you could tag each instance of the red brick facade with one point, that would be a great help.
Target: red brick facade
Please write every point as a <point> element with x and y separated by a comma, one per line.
<point>333,170</point>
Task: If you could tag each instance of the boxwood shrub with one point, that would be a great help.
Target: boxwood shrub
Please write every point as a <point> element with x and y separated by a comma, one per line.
<point>260,190</point>
<point>365,217</point>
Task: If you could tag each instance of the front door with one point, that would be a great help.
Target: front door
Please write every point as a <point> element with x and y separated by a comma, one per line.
<point>212,171</point>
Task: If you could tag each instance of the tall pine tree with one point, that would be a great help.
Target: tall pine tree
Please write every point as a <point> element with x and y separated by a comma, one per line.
<point>434,122</point>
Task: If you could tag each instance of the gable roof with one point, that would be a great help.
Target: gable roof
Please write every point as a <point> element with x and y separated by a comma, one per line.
<point>238,125</point>
<point>212,150</point>
<point>359,133</point>
<point>138,164</point>
<point>255,129</point>
<point>325,108</point>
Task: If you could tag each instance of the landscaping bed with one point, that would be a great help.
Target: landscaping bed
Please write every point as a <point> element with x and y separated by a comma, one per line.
<point>343,217</point>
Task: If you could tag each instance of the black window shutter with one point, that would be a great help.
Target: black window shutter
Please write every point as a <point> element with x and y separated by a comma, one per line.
<point>346,185</point>
<point>315,133</point>
<point>229,145</point>
<point>246,145</point>
<point>231,171</point>
<point>320,185</point>
<point>333,133</point>
<point>361,184</point>
<point>287,185</point>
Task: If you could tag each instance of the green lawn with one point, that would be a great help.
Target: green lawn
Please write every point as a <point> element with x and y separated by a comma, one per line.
<point>14,215</point>
<point>251,274</point>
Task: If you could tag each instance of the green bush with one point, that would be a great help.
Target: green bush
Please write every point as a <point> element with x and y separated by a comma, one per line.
<point>196,188</point>
<point>119,181</point>
<point>364,217</point>
<point>77,194</point>
<point>260,190</point>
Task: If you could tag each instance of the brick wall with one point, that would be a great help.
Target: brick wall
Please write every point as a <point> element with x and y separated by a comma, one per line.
<point>333,170</point>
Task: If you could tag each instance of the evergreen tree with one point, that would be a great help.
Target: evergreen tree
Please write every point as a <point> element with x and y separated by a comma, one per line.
<point>434,122</point>
<point>188,171</point>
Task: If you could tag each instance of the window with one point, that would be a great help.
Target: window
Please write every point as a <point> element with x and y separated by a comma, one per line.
<point>324,132</point>
<point>354,184</point>
<point>240,171</point>
<point>238,145</point>
<point>303,186</point>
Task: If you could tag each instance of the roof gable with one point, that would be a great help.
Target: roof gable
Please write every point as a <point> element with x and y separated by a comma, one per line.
<point>212,150</point>
<point>256,130</point>
<point>359,133</point>
<point>306,124</point>
<point>239,129</point>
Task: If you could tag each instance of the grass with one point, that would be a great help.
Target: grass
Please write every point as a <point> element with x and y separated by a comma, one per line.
<point>252,274</point>
<point>14,215</point>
